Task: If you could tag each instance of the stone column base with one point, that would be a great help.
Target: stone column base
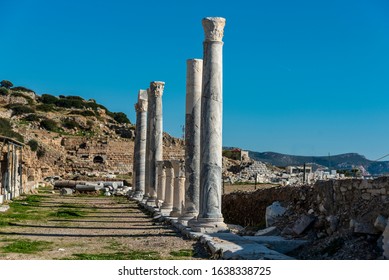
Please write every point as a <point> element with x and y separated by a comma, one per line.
<point>151,202</point>
<point>138,195</point>
<point>175,213</point>
<point>145,198</point>
<point>166,209</point>
<point>209,225</point>
<point>184,219</point>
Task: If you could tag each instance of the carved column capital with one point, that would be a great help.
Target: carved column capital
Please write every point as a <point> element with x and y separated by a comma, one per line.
<point>156,88</point>
<point>214,28</point>
<point>141,106</point>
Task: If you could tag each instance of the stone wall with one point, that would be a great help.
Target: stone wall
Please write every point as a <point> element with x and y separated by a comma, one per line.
<point>348,200</point>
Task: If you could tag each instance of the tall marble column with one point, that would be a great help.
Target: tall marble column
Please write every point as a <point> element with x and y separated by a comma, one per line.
<point>167,205</point>
<point>210,218</point>
<point>179,188</point>
<point>161,182</point>
<point>150,113</point>
<point>155,97</point>
<point>194,72</point>
<point>140,145</point>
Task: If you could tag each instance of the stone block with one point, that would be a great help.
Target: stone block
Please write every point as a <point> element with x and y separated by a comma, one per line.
<point>380,223</point>
<point>4,208</point>
<point>365,228</point>
<point>66,191</point>
<point>302,224</point>
<point>366,196</point>
<point>385,245</point>
<point>277,243</point>
<point>270,231</point>
<point>273,211</point>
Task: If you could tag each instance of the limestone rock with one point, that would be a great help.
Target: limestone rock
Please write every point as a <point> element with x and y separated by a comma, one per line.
<point>66,191</point>
<point>302,224</point>
<point>364,228</point>
<point>385,246</point>
<point>4,208</point>
<point>270,231</point>
<point>380,223</point>
<point>273,211</point>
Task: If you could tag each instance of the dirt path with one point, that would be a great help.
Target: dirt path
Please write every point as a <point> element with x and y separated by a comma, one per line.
<point>50,226</point>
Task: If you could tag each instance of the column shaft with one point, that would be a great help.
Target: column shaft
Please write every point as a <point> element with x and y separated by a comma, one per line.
<point>179,188</point>
<point>167,205</point>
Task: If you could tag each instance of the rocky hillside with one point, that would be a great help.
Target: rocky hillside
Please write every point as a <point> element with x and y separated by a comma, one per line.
<point>69,136</point>
<point>339,162</point>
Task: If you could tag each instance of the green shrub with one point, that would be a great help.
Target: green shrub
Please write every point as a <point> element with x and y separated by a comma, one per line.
<point>31,118</point>
<point>22,89</point>
<point>70,124</point>
<point>48,99</point>
<point>3,91</point>
<point>121,117</point>
<point>85,113</point>
<point>6,84</point>
<point>73,97</point>
<point>33,145</point>
<point>6,130</point>
<point>40,152</point>
<point>45,107</point>
<point>70,103</point>
<point>19,109</point>
<point>49,125</point>
<point>20,94</point>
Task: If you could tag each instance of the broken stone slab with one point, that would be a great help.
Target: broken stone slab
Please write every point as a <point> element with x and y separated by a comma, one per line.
<point>268,231</point>
<point>88,188</point>
<point>235,228</point>
<point>278,243</point>
<point>380,223</point>
<point>66,191</point>
<point>272,212</point>
<point>365,228</point>
<point>230,246</point>
<point>4,208</point>
<point>302,224</point>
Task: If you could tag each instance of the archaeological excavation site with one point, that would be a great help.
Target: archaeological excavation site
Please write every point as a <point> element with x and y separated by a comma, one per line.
<point>79,182</point>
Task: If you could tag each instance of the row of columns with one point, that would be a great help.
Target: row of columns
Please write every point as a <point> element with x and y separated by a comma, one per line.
<point>189,190</point>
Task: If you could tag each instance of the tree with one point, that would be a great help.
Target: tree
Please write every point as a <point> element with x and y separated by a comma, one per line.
<point>121,117</point>
<point>6,84</point>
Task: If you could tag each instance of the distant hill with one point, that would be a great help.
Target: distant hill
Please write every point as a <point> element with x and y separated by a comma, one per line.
<point>338,162</point>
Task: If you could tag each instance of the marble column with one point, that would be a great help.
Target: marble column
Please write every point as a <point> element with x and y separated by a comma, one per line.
<point>161,182</point>
<point>210,218</point>
<point>167,205</point>
<point>194,72</point>
<point>150,113</point>
<point>179,188</point>
<point>140,145</point>
<point>155,97</point>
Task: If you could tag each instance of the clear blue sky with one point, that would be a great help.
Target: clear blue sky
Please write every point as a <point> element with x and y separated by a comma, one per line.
<point>300,77</point>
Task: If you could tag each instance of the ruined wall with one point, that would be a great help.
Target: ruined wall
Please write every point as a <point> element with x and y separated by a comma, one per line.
<point>353,199</point>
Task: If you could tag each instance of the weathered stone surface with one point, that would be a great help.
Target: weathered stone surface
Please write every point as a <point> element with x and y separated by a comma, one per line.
<point>385,245</point>
<point>270,231</point>
<point>278,243</point>
<point>365,228</point>
<point>4,208</point>
<point>66,191</point>
<point>167,205</point>
<point>380,223</point>
<point>302,224</point>
<point>272,212</point>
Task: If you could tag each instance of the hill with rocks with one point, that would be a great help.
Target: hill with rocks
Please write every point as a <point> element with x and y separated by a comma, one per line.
<point>69,136</point>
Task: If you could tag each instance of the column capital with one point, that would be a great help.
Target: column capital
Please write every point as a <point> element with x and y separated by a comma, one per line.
<point>141,106</point>
<point>142,94</point>
<point>214,28</point>
<point>156,88</point>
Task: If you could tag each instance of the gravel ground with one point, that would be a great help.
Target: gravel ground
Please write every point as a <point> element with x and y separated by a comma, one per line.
<point>114,227</point>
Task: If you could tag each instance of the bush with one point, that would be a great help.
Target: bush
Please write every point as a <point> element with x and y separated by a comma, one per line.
<point>73,97</point>
<point>70,124</point>
<point>31,118</point>
<point>3,91</point>
<point>18,109</point>
<point>6,130</point>
<point>121,117</point>
<point>19,94</point>
<point>33,145</point>
<point>40,152</point>
<point>22,89</point>
<point>49,125</point>
<point>70,103</point>
<point>48,99</point>
<point>45,107</point>
<point>6,84</point>
<point>85,113</point>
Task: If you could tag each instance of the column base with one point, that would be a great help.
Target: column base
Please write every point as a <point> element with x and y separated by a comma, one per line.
<point>175,213</point>
<point>138,195</point>
<point>184,219</point>
<point>166,209</point>
<point>145,198</point>
<point>152,201</point>
<point>209,225</point>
